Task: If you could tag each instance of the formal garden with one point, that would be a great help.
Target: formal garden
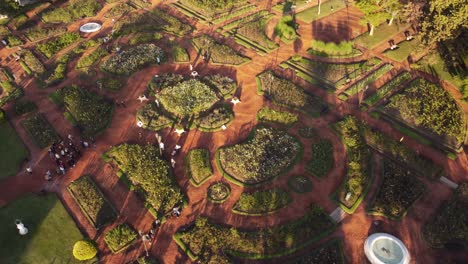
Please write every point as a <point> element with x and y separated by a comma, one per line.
<point>229,131</point>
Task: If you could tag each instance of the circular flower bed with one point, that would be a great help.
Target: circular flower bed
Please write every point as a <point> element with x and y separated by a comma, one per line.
<point>84,250</point>
<point>219,192</point>
<point>300,184</point>
<point>187,98</point>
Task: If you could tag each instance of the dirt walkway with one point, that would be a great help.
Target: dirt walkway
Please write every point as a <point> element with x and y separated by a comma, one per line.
<point>354,229</point>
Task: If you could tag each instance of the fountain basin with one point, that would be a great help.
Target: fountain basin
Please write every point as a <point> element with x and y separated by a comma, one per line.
<point>382,248</point>
<point>90,27</point>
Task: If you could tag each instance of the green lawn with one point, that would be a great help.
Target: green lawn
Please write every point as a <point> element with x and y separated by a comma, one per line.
<point>12,151</point>
<point>434,64</point>
<point>327,8</point>
<point>405,48</point>
<point>52,232</point>
<point>384,32</point>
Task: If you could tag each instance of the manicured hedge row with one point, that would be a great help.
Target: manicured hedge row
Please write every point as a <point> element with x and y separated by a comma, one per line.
<point>92,202</point>
<point>120,237</point>
<point>261,202</point>
<point>198,166</point>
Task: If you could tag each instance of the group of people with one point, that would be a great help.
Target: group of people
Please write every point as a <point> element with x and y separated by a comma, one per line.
<point>65,155</point>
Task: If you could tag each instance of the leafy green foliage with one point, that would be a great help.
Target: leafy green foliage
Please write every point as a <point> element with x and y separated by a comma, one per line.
<point>149,173</point>
<point>387,87</point>
<point>133,59</point>
<point>300,184</point>
<point>187,98</point>
<point>322,158</point>
<point>219,53</point>
<point>163,81</point>
<point>92,112</point>
<point>328,253</point>
<point>266,114</point>
<point>225,85</point>
<point>364,82</point>
<point>92,202</point>
<point>75,10</point>
<point>120,237</point>
<point>401,153</point>
<point>24,106</point>
<point>84,250</point>
<point>112,84</point>
<point>255,32</point>
<point>359,157</point>
<point>118,10</point>
<point>37,33</point>
<point>207,240</point>
<point>443,20</point>
<point>199,166</point>
<point>180,54</point>
<point>215,119</point>
<point>219,192</point>
<point>87,61</point>
<point>52,47</point>
<point>449,224</point>
<point>286,93</point>
<point>373,10</point>
<point>13,41</point>
<point>286,28</point>
<point>442,117</point>
<point>32,62</point>
<point>399,189</point>
<point>154,21</point>
<point>40,130</point>
<point>261,202</point>
<point>331,48</point>
<point>152,118</point>
<point>266,154</point>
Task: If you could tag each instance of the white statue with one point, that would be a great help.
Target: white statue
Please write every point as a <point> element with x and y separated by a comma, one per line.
<point>21,228</point>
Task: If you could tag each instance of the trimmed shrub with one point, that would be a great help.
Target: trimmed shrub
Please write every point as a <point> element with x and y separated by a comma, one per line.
<point>199,166</point>
<point>52,47</point>
<point>322,158</point>
<point>261,202</point>
<point>218,192</point>
<point>120,237</point>
<point>131,60</point>
<point>266,114</point>
<point>84,250</point>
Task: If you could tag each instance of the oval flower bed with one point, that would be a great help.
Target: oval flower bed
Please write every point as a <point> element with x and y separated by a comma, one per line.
<point>129,61</point>
<point>266,154</point>
<point>187,98</point>
<point>219,192</point>
<point>261,202</point>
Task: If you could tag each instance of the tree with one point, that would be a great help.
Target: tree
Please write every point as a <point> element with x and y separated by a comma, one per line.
<point>392,7</point>
<point>374,13</point>
<point>443,20</point>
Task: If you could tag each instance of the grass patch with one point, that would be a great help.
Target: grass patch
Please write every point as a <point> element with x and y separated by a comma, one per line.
<point>382,33</point>
<point>404,49</point>
<point>52,232</point>
<point>327,8</point>
<point>12,150</point>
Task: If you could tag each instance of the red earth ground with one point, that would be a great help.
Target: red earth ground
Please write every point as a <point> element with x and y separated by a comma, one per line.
<point>353,229</point>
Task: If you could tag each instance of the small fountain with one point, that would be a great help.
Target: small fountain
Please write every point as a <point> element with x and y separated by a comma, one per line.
<point>382,248</point>
<point>90,27</point>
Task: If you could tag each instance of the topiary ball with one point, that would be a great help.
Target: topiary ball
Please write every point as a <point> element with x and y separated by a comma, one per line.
<point>84,250</point>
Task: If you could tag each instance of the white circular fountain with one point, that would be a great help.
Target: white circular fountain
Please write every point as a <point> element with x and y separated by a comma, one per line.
<point>90,27</point>
<point>382,248</point>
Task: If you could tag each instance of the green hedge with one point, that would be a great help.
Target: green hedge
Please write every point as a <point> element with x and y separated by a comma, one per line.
<point>322,158</point>
<point>261,202</point>
<point>198,166</point>
<point>266,114</point>
<point>41,132</point>
<point>92,202</point>
<point>120,237</point>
